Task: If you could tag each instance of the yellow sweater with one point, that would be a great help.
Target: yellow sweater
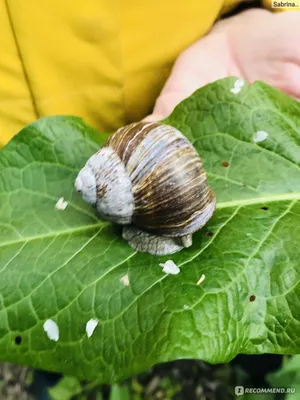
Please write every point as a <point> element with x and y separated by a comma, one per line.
<point>103,60</point>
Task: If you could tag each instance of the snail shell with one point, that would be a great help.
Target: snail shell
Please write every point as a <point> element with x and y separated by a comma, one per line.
<point>149,176</point>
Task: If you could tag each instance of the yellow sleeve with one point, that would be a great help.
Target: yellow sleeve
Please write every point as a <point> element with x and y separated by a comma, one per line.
<point>16,103</point>
<point>229,5</point>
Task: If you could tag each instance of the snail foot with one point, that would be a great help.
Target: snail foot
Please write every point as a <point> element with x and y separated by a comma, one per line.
<point>146,242</point>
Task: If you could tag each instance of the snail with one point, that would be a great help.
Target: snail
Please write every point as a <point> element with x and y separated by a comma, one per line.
<point>149,178</point>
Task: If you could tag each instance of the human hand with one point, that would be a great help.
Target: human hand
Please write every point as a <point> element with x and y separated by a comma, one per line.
<point>254,45</point>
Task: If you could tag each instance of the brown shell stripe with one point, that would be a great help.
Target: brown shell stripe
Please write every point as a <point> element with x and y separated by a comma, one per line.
<point>127,139</point>
<point>179,190</point>
<point>193,185</point>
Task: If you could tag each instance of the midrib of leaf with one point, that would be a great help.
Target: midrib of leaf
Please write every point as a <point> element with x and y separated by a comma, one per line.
<point>259,200</point>
<point>220,205</point>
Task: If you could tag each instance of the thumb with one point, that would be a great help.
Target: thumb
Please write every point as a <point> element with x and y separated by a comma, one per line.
<point>165,104</point>
<point>195,67</point>
<point>181,83</point>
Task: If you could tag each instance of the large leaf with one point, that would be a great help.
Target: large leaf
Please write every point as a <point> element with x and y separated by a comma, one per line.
<point>67,265</point>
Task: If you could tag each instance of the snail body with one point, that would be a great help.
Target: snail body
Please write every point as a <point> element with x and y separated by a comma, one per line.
<point>149,178</point>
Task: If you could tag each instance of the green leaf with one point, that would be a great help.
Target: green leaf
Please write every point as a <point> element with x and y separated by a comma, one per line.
<point>65,389</point>
<point>67,265</point>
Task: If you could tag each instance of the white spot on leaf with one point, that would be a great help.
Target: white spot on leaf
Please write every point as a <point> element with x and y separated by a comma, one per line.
<point>125,280</point>
<point>61,204</point>
<point>260,136</point>
<point>52,330</point>
<point>238,84</point>
<point>91,326</point>
<point>235,90</point>
<point>169,267</point>
<point>201,279</point>
<point>186,307</point>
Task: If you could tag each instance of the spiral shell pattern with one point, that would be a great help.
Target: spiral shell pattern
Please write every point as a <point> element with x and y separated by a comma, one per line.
<point>169,184</point>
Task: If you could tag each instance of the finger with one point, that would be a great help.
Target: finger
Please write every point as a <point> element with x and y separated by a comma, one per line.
<point>287,79</point>
<point>292,83</point>
<point>166,103</point>
<point>197,66</point>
